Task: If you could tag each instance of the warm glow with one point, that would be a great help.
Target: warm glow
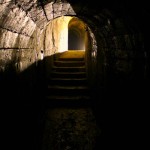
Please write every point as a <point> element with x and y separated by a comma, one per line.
<point>65,33</point>
<point>63,41</point>
<point>57,34</point>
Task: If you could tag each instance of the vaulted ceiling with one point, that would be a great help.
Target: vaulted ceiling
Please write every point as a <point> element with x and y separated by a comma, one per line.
<point>42,11</point>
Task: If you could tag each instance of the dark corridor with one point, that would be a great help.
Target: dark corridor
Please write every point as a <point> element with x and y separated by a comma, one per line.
<point>110,112</point>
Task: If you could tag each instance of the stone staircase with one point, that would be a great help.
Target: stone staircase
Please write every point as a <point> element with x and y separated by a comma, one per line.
<point>68,80</point>
<point>69,120</point>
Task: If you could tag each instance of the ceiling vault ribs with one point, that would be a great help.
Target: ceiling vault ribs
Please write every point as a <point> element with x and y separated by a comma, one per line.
<point>27,14</point>
<point>14,48</point>
<point>42,5</point>
<point>1,3</point>
<point>27,11</point>
<point>53,8</point>
<point>15,32</point>
<point>43,11</point>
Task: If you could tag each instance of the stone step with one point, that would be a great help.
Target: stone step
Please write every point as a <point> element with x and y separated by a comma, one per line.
<point>72,55</point>
<point>68,101</point>
<point>56,74</point>
<point>67,87</point>
<point>67,90</point>
<point>78,97</point>
<point>71,59</point>
<point>68,81</point>
<point>69,63</point>
<point>69,69</point>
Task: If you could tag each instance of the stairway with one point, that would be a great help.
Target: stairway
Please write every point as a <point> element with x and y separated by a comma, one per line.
<point>68,81</point>
<point>69,121</point>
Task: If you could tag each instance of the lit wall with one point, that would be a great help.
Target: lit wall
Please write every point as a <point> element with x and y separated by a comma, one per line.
<point>56,35</point>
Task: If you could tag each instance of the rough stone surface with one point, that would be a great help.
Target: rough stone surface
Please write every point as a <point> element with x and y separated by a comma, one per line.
<point>70,129</point>
<point>11,58</point>
<point>65,8</point>
<point>49,11</point>
<point>57,8</point>
<point>5,60</point>
<point>120,47</point>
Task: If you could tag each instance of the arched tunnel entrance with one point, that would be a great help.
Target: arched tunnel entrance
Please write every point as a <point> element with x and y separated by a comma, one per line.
<point>76,34</point>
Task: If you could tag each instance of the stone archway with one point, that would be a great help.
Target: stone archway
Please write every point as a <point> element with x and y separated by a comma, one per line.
<point>76,34</point>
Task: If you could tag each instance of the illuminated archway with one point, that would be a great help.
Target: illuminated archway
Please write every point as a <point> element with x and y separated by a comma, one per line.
<point>76,34</point>
<point>65,33</point>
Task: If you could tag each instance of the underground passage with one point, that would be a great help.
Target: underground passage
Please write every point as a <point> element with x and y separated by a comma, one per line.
<point>74,75</point>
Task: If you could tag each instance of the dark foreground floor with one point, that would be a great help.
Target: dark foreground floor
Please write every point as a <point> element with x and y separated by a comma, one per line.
<point>116,122</point>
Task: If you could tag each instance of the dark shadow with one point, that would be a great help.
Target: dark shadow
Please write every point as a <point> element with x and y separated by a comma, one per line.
<point>75,42</point>
<point>23,103</point>
<point>76,34</point>
<point>120,108</point>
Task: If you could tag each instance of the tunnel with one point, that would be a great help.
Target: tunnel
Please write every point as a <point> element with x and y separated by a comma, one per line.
<point>107,42</point>
<point>76,34</point>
